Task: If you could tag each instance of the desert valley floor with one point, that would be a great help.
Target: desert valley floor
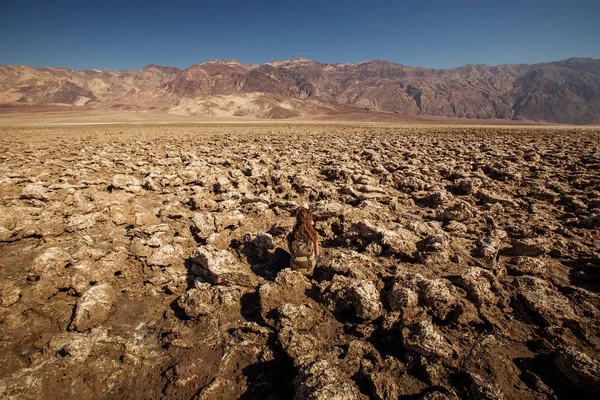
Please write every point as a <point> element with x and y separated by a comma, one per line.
<point>136,261</point>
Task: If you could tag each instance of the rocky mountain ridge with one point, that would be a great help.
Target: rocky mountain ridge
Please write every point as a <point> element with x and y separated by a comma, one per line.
<point>566,91</point>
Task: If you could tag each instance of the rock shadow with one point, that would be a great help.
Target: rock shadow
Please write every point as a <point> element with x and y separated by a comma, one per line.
<point>272,379</point>
<point>542,368</point>
<point>262,262</point>
<point>584,273</point>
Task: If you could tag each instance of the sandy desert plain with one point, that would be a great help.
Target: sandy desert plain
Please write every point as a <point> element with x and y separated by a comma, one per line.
<point>458,262</point>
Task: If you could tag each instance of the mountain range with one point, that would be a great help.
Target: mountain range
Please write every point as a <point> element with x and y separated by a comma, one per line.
<point>566,91</point>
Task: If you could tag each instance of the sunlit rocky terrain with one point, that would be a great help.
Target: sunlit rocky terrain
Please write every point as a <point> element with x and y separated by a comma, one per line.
<point>458,262</point>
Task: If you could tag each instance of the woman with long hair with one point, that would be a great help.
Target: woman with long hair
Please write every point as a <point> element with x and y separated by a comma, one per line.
<point>303,243</point>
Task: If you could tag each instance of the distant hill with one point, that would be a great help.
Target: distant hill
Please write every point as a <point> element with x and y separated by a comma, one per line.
<point>565,91</point>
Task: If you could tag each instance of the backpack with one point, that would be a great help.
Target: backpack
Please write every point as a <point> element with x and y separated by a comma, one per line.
<point>303,255</point>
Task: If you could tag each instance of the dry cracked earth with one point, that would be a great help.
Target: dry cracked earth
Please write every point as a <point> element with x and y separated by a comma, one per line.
<point>458,262</point>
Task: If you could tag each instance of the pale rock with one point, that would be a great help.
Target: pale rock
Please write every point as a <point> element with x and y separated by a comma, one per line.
<point>139,249</point>
<point>80,222</point>
<point>425,339</point>
<point>436,294</point>
<point>289,287</point>
<point>455,226</point>
<point>203,224</point>
<point>532,247</point>
<point>154,229</point>
<point>261,241</point>
<point>580,370</point>
<point>323,381</point>
<point>228,220</point>
<point>551,306</point>
<point>480,285</point>
<point>492,198</point>
<point>145,219</point>
<point>163,256</point>
<point>155,241</point>
<point>34,192</point>
<point>459,212</point>
<point>358,294</point>
<point>127,183</point>
<point>52,261</point>
<point>400,241</point>
<point>94,307</point>
<point>528,265</point>
<point>222,268</point>
<point>9,293</point>
<point>117,217</point>
<point>5,234</point>
<point>205,299</point>
<point>488,248</point>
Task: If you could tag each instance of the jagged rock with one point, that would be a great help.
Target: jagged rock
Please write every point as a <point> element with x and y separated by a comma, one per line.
<point>164,255</point>
<point>206,299</point>
<point>378,194</point>
<point>258,245</point>
<point>492,198</point>
<point>400,241</point>
<point>9,293</point>
<point>80,222</point>
<point>144,219</point>
<point>228,220</point>
<point>204,225</point>
<point>154,229</point>
<point>438,395</point>
<point>480,285</point>
<point>411,291</point>
<point>437,198</point>
<point>532,247</point>
<point>425,339</point>
<point>34,192</point>
<point>139,249</point>
<point>488,248</point>
<point>358,294</point>
<point>94,307</point>
<point>547,303</point>
<point>155,241</point>
<point>51,261</point>
<point>383,382</point>
<point>465,186</point>
<point>117,216</point>
<point>481,390</point>
<point>5,234</point>
<point>221,268</point>
<point>579,370</point>
<point>435,293</point>
<point>262,241</point>
<point>401,297</point>
<point>127,183</point>
<point>524,265</point>
<point>455,226</point>
<point>150,184</point>
<point>322,381</point>
<point>459,212</point>
<point>435,243</point>
<point>289,287</point>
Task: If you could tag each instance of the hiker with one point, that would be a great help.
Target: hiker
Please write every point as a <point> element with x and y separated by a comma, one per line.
<point>303,243</point>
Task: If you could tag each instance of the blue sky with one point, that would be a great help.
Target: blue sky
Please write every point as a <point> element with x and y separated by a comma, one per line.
<point>437,34</point>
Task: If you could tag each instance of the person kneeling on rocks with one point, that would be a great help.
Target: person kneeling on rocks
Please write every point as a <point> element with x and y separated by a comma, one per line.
<point>303,243</point>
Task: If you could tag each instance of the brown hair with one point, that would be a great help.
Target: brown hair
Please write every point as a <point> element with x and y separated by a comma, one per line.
<point>303,228</point>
